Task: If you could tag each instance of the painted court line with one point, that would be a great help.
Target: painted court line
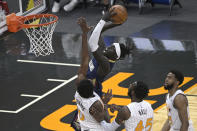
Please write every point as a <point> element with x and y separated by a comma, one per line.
<point>57,80</point>
<point>48,63</point>
<point>46,94</point>
<point>40,97</point>
<point>6,111</point>
<point>26,95</point>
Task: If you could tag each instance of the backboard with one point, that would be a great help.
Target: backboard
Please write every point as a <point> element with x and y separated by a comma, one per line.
<point>23,8</point>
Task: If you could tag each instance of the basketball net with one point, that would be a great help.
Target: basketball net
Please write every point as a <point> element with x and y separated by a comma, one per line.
<point>39,29</point>
<point>41,37</point>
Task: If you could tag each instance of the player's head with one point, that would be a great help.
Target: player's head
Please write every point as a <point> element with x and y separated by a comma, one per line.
<point>85,88</point>
<point>173,79</point>
<point>116,51</point>
<point>138,90</point>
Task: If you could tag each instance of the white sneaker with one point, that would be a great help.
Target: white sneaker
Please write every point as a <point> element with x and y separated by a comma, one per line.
<point>71,5</point>
<point>56,7</point>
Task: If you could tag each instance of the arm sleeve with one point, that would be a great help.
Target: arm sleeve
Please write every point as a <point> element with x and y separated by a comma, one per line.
<point>94,38</point>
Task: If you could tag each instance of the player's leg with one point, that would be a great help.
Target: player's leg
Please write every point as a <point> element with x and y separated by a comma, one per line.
<point>75,124</point>
<point>70,6</point>
<point>56,6</point>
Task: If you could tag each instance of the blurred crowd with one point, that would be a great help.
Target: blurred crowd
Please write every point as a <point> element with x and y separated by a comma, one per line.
<point>73,3</point>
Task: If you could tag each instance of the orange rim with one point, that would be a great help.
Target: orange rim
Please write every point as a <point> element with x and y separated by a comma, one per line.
<point>16,23</point>
<point>25,18</point>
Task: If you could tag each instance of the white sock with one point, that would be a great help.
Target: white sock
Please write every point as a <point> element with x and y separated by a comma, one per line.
<point>56,7</point>
<point>71,5</point>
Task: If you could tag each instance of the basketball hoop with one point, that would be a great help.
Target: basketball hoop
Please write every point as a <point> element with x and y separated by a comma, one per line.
<point>39,28</point>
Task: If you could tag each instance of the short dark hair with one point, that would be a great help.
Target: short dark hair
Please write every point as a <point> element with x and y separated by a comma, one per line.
<point>178,75</point>
<point>141,90</point>
<point>124,50</point>
<point>85,88</point>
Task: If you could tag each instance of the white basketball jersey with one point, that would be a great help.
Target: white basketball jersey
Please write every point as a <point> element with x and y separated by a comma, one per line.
<point>173,115</point>
<point>141,118</point>
<point>87,122</point>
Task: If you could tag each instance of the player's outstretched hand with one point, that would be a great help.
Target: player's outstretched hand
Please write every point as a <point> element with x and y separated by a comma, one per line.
<point>107,16</point>
<point>114,107</point>
<point>82,23</point>
<point>107,96</point>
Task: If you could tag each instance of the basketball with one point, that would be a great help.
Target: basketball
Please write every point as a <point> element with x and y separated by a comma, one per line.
<point>121,14</point>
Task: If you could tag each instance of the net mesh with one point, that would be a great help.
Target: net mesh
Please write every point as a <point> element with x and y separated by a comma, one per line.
<point>41,36</point>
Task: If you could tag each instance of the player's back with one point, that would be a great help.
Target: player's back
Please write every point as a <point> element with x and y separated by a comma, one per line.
<point>87,122</point>
<point>141,118</point>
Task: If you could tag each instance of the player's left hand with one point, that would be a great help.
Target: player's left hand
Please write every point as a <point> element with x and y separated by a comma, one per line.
<point>107,16</point>
<point>84,27</point>
<point>107,96</point>
<point>114,107</point>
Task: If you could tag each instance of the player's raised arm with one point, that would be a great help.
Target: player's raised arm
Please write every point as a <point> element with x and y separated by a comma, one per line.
<point>94,38</point>
<point>84,50</point>
<point>104,67</point>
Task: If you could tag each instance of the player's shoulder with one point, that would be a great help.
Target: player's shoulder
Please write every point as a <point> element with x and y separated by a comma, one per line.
<point>146,103</point>
<point>180,100</point>
<point>180,96</point>
<point>134,104</point>
<point>125,109</point>
<point>97,106</point>
<point>124,112</point>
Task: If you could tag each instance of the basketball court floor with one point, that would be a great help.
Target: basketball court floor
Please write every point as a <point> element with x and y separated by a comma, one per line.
<point>37,93</point>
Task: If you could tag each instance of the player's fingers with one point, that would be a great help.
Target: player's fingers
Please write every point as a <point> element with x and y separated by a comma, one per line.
<point>111,91</point>
<point>113,13</point>
<point>108,91</point>
<point>83,18</point>
<point>79,21</point>
<point>112,108</point>
<point>111,10</point>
